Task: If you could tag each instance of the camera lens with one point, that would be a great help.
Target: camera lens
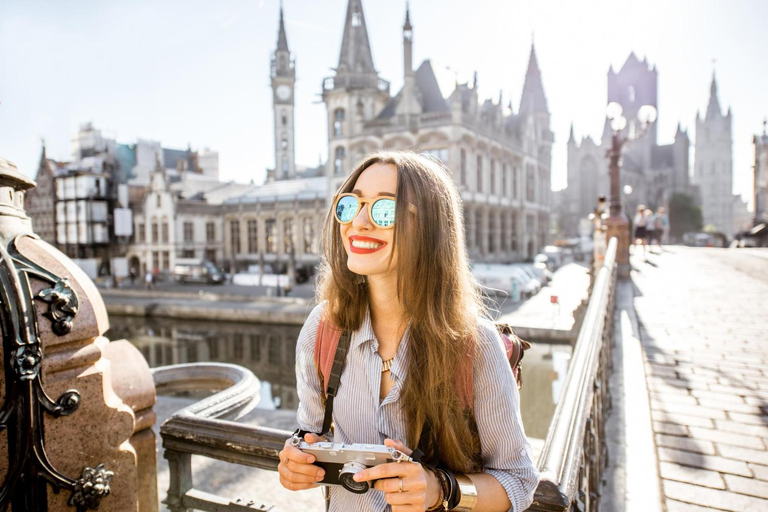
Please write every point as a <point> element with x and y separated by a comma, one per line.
<point>349,470</point>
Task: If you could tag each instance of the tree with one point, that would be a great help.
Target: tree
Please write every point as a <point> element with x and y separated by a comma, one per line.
<point>684,215</point>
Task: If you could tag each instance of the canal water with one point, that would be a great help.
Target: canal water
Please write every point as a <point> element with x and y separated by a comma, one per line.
<point>269,352</point>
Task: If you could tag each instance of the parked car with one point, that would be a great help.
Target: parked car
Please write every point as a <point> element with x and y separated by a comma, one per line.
<point>555,254</point>
<point>197,272</point>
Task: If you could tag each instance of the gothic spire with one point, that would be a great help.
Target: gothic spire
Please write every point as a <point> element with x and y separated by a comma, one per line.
<point>533,98</point>
<point>571,138</point>
<point>282,40</point>
<point>355,55</point>
<point>713,109</point>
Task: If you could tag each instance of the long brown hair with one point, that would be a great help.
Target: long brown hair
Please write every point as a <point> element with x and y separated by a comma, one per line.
<point>437,289</point>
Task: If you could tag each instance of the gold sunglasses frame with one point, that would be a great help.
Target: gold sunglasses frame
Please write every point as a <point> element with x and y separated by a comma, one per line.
<point>361,202</point>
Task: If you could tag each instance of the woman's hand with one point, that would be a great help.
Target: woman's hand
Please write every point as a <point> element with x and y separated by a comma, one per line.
<point>408,487</point>
<point>296,469</point>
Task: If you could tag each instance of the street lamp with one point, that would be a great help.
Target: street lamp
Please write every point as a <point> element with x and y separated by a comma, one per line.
<point>618,224</point>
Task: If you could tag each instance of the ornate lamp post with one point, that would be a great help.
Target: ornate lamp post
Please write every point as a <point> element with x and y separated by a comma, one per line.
<point>617,223</point>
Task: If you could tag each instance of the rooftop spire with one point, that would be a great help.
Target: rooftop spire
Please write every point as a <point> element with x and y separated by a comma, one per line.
<point>713,109</point>
<point>407,25</point>
<point>355,55</point>
<point>282,40</point>
<point>571,138</point>
<point>533,98</point>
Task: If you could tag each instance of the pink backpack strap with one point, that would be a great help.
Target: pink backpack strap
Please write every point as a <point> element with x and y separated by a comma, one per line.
<point>326,343</point>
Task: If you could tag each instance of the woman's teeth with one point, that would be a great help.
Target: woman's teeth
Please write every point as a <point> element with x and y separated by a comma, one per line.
<point>365,245</point>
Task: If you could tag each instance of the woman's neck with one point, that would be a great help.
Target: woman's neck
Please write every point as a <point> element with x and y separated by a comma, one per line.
<point>387,313</point>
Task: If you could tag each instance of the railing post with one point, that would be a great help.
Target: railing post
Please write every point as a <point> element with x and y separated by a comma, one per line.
<point>180,468</point>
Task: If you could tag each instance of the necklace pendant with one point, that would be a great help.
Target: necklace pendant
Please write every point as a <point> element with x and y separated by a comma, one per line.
<point>386,365</point>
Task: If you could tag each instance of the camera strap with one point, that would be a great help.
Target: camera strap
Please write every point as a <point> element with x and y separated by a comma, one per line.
<point>334,379</point>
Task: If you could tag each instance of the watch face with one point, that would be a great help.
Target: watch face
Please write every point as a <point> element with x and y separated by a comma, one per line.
<point>283,92</point>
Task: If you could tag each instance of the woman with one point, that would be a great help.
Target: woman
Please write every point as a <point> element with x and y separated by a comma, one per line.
<point>396,274</point>
<point>640,221</point>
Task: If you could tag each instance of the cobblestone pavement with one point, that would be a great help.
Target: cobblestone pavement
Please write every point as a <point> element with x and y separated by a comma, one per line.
<point>703,315</point>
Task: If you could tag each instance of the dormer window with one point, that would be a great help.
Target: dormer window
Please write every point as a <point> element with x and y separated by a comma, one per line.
<point>357,19</point>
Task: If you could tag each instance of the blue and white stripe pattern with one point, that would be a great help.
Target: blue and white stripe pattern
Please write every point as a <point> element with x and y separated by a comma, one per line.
<point>359,416</point>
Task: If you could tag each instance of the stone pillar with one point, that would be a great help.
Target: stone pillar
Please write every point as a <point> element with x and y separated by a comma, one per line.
<point>68,412</point>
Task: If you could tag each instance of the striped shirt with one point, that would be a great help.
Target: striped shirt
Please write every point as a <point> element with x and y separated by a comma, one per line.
<point>360,417</point>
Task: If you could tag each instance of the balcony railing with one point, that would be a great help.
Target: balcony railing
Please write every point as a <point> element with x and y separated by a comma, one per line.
<point>571,462</point>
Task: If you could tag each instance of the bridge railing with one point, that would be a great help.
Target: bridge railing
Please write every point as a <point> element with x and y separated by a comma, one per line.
<point>574,454</point>
<point>571,462</point>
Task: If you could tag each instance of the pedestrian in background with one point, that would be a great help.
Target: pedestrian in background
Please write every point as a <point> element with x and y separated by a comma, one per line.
<point>650,231</point>
<point>149,280</point>
<point>661,225</point>
<point>640,222</point>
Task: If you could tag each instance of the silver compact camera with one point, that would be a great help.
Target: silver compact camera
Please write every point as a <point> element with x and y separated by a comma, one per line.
<point>342,461</point>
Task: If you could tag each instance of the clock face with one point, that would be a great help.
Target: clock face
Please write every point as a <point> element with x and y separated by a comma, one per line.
<point>283,92</point>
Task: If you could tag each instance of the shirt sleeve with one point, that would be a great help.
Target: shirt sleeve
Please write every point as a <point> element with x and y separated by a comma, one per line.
<point>506,452</point>
<point>308,386</point>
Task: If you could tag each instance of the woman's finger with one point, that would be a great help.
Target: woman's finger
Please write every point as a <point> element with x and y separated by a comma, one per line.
<point>398,445</point>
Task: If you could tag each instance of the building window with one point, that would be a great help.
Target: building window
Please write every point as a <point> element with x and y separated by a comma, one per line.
<point>463,167</point>
<point>210,232</point>
<point>274,350</point>
<point>285,167</point>
<point>357,19</point>
<point>478,230</point>
<point>338,163</point>
<point>141,232</point>
<point>166,260</point>
<point>283,117</point>
<point>284,143</point>
<point>479,173</point>
<point>155,261</point>
<point>269,228</point>
<point>504,232</point>
<point>492,233</point>
<point>514,232</point>
<point>253,236</point>
<point>492,187</point>
<point>288,236</point>
<point>515,180</point>
<point>188,232</point>
<point>234,234</point>
<point>188,253</point>
<point>165,232</point>
<point>159,200</point>
<point>210,255</point>
<point>504,180</point>
<point>213,349</point>
<point>256,347</point>
<point>155,237</point>
<point>338,122</point>
<point>309,235</point>
<point>530,184</point>
<point>238,346</point>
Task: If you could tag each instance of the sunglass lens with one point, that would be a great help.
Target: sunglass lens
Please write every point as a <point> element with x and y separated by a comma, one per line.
<point>383,212</point>
<point>346,208</point>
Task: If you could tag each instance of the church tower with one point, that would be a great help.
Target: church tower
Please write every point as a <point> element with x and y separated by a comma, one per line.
<point>283,75</point>
<point>533,102</point>
<point>713,171</point>
<point>353,96</point>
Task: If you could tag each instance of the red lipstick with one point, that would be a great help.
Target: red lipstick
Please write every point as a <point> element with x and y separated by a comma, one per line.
<point>360,250</point>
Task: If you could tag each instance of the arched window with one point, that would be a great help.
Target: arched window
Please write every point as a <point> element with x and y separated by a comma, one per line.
<point>338,122</point>
<point>356,19</point>
<point>284,117</point>
<point>338,163</point>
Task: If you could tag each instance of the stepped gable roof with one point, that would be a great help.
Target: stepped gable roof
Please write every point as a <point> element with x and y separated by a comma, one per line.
<point>662,156</point>
<point>355,55</point>
<point>430,97</point>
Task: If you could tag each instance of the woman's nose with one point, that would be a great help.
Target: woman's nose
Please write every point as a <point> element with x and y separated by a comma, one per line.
<point>361,220</point>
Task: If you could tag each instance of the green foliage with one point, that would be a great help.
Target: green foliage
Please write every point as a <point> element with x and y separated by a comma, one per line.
<point>709,228</point>
<point>684,215</point>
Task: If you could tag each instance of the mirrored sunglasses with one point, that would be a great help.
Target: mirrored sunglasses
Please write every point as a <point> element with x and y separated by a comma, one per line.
<point>381,210</point>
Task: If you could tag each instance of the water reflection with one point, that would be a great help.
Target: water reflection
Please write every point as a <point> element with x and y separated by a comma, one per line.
<point>269,351</point>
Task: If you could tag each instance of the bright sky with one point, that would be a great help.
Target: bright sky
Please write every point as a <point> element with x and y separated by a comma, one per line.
<point>194,71</point>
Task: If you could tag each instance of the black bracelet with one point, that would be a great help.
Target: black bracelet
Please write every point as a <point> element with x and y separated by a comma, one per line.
<point>453,497</point>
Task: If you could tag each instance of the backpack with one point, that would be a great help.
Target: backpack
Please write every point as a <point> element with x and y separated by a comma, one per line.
<point>331,345</point>
<point>658,222</point>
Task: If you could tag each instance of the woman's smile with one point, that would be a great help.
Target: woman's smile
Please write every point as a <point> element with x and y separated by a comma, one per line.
<point>365,244</point>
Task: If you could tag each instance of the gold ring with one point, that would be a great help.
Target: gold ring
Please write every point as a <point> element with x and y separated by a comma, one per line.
<point>401,485</point>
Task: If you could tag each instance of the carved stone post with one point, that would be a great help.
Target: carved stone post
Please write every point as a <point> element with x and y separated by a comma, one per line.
<point>75,409</point>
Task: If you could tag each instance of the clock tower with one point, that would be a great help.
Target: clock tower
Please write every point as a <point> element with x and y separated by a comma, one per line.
<point>283,75</point>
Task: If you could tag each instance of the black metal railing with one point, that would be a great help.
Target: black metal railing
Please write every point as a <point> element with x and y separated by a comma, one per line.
<point>571,462</point>
<point>574,454</point>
